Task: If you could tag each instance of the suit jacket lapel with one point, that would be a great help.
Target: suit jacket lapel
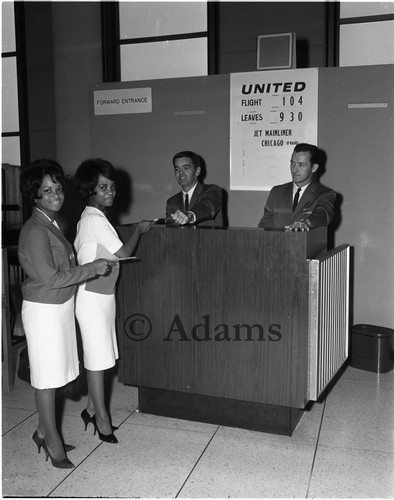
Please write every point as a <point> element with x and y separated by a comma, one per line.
<point>307,197</point>
<point>196,195</point>
<point>57,232</point>
<point>179,202</point>
<point>288,193</point>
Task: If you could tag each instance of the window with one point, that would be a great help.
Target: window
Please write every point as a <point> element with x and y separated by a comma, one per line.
<point>366,33</point>
<point>153,40</point>
<point>10,135</point>
<point>14,146</point>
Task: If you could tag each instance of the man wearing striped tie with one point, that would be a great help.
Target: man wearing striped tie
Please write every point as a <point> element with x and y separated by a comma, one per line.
<point>197,204</point>
<point>303,203</point>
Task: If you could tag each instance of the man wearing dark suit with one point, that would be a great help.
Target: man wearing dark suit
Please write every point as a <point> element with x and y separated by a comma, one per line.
<point>313,206</point>
<point>197,204</point>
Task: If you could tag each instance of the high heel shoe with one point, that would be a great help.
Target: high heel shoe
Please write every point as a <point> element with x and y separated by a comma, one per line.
<point>38,441</point>
<point>59,463</point>
<point>87,419</point>
<point>107,438</point>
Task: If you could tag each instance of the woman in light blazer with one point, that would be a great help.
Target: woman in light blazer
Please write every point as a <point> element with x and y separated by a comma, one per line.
<point>48,300</point>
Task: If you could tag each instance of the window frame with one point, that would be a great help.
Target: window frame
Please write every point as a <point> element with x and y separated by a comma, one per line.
<point>111,41</point>
<point>20,55</point>
<point>22,95</point>
<point>343,21</point>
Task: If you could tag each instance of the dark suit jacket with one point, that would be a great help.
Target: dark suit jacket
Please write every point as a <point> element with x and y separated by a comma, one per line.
<point>206,204</point>
<point>316,204</point>
<point>48,260</point>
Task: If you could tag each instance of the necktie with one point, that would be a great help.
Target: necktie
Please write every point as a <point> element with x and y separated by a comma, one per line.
<point>296,198</point>
<point>186,202</point>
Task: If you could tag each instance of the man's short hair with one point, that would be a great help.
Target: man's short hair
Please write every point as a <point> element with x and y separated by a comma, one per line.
<point>188,154</point>
<point>304,147</point>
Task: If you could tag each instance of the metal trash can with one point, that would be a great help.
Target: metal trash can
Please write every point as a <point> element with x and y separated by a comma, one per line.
<point>372,348</point>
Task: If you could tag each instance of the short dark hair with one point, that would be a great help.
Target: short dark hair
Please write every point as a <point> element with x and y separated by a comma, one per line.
<point>304,147</point>
<point>88,173</point>
<point>196,160</point>
<point>31,178</point>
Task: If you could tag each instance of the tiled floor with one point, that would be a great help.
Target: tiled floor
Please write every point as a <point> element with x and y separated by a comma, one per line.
<point>342,448</point>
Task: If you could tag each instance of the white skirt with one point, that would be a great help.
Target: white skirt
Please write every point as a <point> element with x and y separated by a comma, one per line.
<point>51,343</point>
<point>96,318</point>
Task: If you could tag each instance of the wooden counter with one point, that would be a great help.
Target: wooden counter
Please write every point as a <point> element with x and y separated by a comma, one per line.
<point>213,324</point>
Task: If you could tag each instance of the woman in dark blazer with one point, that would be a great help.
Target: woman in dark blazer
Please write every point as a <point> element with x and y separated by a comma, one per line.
<point>48,300</point>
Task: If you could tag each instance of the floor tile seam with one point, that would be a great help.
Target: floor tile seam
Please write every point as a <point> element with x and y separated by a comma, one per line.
<point>316,448</point>
<point>5,407</point>
<point>364,450</point>
<point>362,398</point>
<point>196,463</point>
<point>136,411</point>
<point>365,380</point>
<point>73,470</point>
<point>375,420</point>
<point>355,402</point>
<point>275,439</point>
<point>126,422</point>
<point>78,416</point>
<point>18,424</point>
<point>168,428</point>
